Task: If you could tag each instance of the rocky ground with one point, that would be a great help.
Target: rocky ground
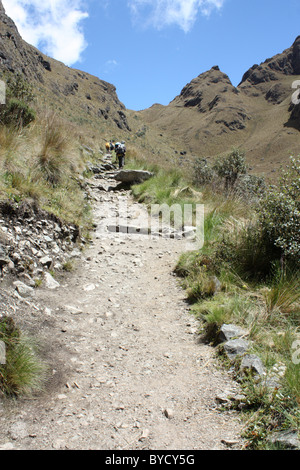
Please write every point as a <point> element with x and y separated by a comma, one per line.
<point>127,370</point>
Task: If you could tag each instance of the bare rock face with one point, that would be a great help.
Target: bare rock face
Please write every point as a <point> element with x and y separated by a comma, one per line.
<point>268,75</point>
<point>207,91</point>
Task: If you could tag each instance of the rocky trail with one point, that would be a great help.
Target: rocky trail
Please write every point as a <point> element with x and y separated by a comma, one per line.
<point>127,369</point>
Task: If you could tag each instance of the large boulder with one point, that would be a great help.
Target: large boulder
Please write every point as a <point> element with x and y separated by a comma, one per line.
<point>133,176</point>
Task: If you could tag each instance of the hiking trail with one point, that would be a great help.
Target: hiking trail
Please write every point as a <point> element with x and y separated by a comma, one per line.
<point>128,371</point>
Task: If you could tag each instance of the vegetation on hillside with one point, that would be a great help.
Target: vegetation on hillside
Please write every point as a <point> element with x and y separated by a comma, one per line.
<point>40,159</point>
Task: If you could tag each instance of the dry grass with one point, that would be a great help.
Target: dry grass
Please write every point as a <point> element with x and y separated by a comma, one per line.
<point>55,151</point>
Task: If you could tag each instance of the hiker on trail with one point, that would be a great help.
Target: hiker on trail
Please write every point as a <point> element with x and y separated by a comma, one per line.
<point>107,146</point>
<point>120,150</point>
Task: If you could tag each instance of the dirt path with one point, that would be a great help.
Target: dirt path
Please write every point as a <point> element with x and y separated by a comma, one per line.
<point>129,373</point>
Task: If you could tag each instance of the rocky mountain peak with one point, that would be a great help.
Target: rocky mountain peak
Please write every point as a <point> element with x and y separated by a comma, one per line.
<point>286,63</point>
<point>205,91</point>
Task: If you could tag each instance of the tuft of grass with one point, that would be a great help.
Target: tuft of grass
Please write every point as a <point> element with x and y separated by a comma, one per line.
<point>54,157</point>
<point>283,294</point>
<point>23,372</point>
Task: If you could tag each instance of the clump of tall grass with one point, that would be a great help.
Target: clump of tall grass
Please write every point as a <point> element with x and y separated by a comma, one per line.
<point>55,155</point>
<point>9,143</point>
<point>284,293</point>
<point>23,373</point>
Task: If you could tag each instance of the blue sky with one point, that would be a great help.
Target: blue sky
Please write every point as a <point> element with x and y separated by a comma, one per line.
<point>150,49</point>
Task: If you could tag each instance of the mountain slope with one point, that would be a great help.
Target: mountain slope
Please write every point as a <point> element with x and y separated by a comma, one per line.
<point>76,95</point>
<point>211,115</point>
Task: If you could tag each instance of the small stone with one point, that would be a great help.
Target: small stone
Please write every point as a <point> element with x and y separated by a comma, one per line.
<point>145,434</point>
<point>46,261</point>
<point>7,446</point>
<point>252,363</point>
<point>222,398</point>
<point>73,310</point>
<point>61,396</point>
<point>58,444</point>
<point>169,413</point>
<point>50,283</point>
<point>235,347</point>
<point>286,440</point>
<point>18,431</point>
<point>89,287</point>
<point>23,289</point>
<point>228,332</point>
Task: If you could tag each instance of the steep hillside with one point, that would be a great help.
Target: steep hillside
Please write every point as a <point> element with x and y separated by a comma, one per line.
<point>78,96</point>
<point>211,115</point>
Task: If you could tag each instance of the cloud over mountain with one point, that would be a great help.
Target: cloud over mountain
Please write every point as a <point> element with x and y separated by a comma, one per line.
<point>54,26</point>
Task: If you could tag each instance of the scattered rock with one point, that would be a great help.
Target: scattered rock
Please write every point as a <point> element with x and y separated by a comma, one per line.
<point>73,310</point>
<point>23,290</point>
<point>228,332</point>
<point>235,348</point>
<point>7,446</point>
<point>50,282</point>
<point>18,431</point>
<point>46,261</point>
<point>145,435</point>
<point>287,440</point>
<point>252,363</point>
<point>169,413</point>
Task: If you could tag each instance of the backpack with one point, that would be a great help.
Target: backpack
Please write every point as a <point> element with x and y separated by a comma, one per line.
<point>121,149</point>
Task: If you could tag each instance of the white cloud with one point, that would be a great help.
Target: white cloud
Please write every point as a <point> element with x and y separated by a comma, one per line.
<point>183,13</point>
<point>54,26</point>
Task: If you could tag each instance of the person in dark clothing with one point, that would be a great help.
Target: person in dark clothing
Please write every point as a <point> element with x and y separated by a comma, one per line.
<point>120,150</point>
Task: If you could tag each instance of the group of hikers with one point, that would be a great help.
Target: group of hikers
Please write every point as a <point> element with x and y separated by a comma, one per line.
<point>120,151</point>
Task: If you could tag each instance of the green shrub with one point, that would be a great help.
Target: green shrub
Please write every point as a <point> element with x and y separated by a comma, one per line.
<point>230,167</point>
<point>279,214</point>
<point>203,173</point>
<point>17,87</point>
<point>247,251</point>
<point>17,113</point>
<point>19,95</point>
